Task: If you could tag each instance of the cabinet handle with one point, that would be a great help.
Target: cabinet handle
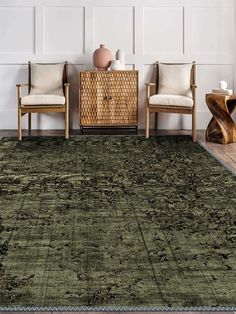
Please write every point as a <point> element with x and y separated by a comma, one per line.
<point>107,98</point>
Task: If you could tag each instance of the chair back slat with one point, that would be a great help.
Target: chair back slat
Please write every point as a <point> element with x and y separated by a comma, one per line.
<point>65,76</point>
<point>29,77</point>
<point>157,77</point>
<point>193,74</point>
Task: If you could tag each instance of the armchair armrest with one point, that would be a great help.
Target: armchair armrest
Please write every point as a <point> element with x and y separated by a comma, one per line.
<point>150,84</point>
<point>148,90</point>
<point>19,92</point>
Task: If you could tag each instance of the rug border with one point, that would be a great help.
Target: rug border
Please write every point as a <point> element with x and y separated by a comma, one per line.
<point>115,309</point>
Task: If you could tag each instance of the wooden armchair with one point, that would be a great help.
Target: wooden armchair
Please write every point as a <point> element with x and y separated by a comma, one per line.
<point>175,92</point>
<point>48,91</point>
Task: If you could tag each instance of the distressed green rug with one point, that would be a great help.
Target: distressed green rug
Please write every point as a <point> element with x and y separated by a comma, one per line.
<point>115,221</point>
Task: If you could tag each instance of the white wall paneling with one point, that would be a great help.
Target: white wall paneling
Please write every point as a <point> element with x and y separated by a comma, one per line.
<point>60,23</point>
<point>217,25</point>
<point>115,27</point>
<point>17,27</point>
<point>163,30</point>
<point>147,30</point>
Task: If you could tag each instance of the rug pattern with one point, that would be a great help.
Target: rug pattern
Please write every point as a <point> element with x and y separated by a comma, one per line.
<point>115,221</point>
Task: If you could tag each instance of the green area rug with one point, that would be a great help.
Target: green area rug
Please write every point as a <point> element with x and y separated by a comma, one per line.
<point>112,221</point>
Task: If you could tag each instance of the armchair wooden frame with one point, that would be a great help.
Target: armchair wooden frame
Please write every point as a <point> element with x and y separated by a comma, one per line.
<point>22,110</point>
<point>171,109</point>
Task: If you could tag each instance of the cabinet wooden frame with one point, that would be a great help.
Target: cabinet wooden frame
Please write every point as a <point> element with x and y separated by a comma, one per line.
<point>108,99</point>
<point>22,110</point>
<point>171,109</point>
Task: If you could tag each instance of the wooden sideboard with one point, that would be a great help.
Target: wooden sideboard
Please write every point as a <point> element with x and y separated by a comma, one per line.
<point>108,99</point>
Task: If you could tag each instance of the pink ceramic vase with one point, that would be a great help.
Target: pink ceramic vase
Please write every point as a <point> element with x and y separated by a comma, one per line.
<point>102,58</point>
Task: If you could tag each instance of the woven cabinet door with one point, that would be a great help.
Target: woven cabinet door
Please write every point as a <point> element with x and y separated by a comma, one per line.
<point>108,98</point>
<point>123,98</point>
<point>93,100</point>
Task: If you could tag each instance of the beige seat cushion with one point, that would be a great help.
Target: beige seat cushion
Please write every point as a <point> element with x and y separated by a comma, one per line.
<point>47,79</point>
<point>43,100</point>
<point>171,100</point>
<point>175,79</point>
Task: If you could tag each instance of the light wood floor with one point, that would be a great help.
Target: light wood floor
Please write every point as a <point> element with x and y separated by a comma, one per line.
<point>224,153</point>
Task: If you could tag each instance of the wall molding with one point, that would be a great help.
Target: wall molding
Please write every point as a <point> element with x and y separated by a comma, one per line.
<point>140,25</point>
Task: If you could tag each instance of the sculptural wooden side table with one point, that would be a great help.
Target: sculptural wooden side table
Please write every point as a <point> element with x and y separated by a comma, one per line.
<point>222,128</point>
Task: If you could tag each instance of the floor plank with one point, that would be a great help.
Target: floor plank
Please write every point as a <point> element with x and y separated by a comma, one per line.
<point>224,153</point>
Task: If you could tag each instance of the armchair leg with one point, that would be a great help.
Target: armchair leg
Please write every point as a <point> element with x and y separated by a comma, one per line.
<point>67,124</point>
<point>147,122</point>
<point>19,125</point>
<point>194,131</point>
<point>29,122</point>
<point>67,112</point>
<point>156,121</point>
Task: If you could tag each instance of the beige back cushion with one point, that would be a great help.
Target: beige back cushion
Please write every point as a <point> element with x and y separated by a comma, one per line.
<point>46,79</point>
<point>175,79</point>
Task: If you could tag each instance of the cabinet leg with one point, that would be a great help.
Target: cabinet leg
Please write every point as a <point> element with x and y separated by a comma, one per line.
<point>81,130</point>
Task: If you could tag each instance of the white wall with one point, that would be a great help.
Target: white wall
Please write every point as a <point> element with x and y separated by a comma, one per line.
<point>147,30</point>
